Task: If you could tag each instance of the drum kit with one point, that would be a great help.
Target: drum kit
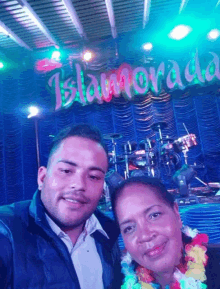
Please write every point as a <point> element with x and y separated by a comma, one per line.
<point>162,157</point>
<point>149,157</point>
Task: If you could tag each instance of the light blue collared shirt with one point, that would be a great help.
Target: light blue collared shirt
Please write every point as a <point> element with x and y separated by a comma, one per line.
<point>84,255</point>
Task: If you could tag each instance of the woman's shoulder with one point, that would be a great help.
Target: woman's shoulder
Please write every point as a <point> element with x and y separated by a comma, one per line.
<point>213,267</point>
<point>213,253</point>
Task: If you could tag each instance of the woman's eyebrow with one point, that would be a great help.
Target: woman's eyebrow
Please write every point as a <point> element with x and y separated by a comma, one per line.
<point>145,211</point>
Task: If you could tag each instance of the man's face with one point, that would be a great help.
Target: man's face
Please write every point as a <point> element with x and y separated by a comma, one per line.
<point>72,184</point>
<point>150,228</point>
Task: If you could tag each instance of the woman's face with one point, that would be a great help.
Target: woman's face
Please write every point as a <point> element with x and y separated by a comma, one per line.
<point>150,228</point>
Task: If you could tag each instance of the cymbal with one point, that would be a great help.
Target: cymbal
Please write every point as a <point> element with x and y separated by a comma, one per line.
<point>112,136</point>
<point>158,125</point>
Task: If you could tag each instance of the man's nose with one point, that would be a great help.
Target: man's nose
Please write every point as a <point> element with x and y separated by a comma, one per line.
<point>78,181</point>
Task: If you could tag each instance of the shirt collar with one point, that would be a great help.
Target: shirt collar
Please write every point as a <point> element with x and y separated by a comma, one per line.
<point>92,225</point>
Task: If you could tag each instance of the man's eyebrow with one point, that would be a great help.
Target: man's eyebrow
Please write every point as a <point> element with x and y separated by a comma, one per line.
<point>97,169</point>
<point>145,212</point>
<point>94,168</point>
<point>67,162</point>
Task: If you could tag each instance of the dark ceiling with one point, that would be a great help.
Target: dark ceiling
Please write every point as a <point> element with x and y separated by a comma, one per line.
<point>123,25</point>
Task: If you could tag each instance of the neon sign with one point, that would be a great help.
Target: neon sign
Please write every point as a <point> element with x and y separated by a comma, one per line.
<point>131,81</point>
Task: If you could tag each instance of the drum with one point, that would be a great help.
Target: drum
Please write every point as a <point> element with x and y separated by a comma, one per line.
<point>138,159</point>
<point>184,143</point>
<point>167,153</point>
<point>166,148</point>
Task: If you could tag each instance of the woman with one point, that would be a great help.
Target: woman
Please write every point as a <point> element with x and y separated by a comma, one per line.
<point>159,254</point>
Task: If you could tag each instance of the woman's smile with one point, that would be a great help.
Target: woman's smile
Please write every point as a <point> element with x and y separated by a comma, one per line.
<point>157,251</point>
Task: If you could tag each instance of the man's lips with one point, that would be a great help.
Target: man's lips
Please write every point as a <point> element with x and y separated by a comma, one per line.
<point>74,200</point>
<point>156,251</point>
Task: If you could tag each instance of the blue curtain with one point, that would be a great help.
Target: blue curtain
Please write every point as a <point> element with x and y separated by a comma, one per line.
<point>197,107</point>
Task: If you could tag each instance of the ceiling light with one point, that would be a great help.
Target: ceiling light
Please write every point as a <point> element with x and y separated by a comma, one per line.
<point>148,46</point>
<point>213,34</point>
<point>1,65</point>
<point>87,56</point>
<point>56,55</point>
<point>179,32</point>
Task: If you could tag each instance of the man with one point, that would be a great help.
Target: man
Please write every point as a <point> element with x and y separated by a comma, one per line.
<point>56,240</point>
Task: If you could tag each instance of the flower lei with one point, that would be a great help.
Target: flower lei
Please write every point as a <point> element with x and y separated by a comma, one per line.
<point>189,274</point>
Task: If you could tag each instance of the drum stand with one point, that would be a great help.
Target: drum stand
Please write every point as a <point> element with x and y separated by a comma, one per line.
<point>157,127</point>
<point>159,146</point>
<point>114,160</point>
<point>185,156</point>
<point>112,137</point>
<point>148,146</point>
<point>205,184</point>
<point>126,159</point>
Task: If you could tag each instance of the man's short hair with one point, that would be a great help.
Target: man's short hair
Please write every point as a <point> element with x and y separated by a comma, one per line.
<point>81,130</point>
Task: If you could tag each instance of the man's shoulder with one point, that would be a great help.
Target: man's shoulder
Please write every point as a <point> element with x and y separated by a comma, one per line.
<point>103,218</point>
<point>108,224</point>
<point>15,210</point>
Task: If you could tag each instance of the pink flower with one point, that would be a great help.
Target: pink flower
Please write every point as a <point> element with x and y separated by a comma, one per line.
<point>200,239</point>
<point>176,285</point>
<point>144,274</point>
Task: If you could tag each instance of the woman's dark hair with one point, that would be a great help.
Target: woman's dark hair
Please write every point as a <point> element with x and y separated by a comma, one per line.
<point>153,183</point>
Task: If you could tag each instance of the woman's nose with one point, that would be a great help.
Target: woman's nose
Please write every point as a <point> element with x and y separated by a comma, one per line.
<point>146,233</point>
